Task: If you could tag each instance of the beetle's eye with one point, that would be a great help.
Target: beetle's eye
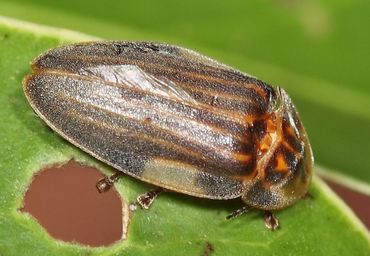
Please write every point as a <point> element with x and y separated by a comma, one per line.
<point>275,101</point>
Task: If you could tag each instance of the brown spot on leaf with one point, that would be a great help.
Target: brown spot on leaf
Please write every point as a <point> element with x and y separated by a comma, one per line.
<point>208,249</point>
<point>66,203</point>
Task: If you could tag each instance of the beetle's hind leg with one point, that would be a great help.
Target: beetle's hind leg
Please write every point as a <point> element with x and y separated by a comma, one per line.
<point>145,200</point>
<point>107,182</point>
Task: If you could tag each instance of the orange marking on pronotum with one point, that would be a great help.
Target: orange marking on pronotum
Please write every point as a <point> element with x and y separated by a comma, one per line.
<point>281,164</point>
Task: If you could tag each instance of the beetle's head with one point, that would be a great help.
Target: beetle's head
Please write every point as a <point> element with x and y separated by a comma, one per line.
<point>284,166</point>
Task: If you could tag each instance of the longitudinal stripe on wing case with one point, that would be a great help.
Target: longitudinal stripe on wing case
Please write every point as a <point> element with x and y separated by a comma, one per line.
<point>230,120</point>
<point>179,69</point>
<point>209,143</point>
<point>209,86</point>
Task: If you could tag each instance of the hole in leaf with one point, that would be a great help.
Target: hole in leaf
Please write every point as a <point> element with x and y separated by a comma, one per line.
<point>67,204</point>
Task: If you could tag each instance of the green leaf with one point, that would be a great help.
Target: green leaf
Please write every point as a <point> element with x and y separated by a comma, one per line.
<point>317,50</point>
<point>176,224</point>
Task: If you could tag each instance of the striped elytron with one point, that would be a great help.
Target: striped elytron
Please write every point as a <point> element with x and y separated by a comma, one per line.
<point>176,119</point>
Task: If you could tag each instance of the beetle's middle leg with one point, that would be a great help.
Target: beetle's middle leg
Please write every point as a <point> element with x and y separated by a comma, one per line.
<point>107,182</point>
<point>145,200</point>
<point>238,212</point>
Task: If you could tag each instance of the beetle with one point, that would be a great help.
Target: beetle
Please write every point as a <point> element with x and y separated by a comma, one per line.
<point>176,119</point>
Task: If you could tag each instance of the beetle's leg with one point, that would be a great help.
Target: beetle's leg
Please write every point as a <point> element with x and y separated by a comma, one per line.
<point>106,183</point>
<point>238,212</point>
<point>271,222</point>
<point>146,200</point>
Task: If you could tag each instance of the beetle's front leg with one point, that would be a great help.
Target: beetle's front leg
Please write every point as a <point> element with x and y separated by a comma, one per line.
<point>271,222</point>
<point>107,182</point>
<point>145,200</point>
